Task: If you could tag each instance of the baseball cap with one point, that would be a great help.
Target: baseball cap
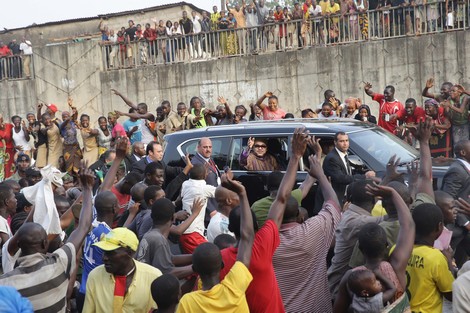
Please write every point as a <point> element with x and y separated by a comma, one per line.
<point>120,237</point>
<point>52,107</point>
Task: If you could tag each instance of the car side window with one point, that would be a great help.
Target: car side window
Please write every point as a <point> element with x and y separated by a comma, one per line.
<point>220,149</point>
<point>275,147</point>
<point>234,155</point>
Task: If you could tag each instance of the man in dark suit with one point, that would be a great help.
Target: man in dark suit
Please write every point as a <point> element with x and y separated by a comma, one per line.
<point>173,176</point>
<point>203,156</point>
<point>336,166</point>
<point>456,181</point>
<point>137,153</point>
<point>154,153</point>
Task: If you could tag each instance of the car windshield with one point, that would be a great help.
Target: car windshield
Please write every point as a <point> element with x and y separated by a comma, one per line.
<point>376,146</point>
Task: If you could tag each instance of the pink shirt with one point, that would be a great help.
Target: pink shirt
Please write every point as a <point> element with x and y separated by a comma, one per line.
<point>118,131</point>
<point>273,115</point>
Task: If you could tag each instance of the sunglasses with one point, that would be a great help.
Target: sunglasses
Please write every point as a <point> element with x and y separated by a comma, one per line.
<point>261,146</point>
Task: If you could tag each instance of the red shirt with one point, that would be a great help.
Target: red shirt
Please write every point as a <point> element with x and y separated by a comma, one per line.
<point>150,34</point>
<point>6,135</point>
<point>387,108</point>
<point>279,16</point>
<point>418,115</point>
<point>4,51</point>
<point>123,200</point>
<point>263,295</point>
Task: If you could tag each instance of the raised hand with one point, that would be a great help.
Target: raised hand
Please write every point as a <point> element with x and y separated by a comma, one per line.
<point>251,142</point>
<point>333,102</point>
<point>197,206</point>
<point>367,86</point>
<point>268,94</point>
<point>121,147</point>
<point>430,83</point>
<point>423,130</point>
<point>86,176</point>
<point>114,91</point>
<point>299,142</point>
<point>221,100</point>
<point>413,172</point>
<point>314,144</point>
<point>231,184</point>
<point>391,170</point>
<point>315,169</point>
<point>380,191</point>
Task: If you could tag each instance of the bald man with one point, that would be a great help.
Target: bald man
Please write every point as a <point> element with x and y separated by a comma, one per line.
<point>43,278</point>
<point>226,201</point>
<point>204,156</point>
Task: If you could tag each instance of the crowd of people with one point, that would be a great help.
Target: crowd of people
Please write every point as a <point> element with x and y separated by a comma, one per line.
<point>15,59</point>
<point>102,224</point>
<point>158,243</point>
<point>63,142</point>
<point>250,27</point>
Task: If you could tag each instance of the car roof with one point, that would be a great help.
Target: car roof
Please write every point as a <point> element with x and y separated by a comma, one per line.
<point>317,126</point>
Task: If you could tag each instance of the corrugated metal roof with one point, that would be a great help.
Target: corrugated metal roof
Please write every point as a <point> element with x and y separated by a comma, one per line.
<point>110,15</point>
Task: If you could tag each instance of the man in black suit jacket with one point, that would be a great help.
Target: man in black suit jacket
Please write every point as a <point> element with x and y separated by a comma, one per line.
<point>336,166</point>
<point>154,153</point>
<point>204,156</point>
<point>456,181</point>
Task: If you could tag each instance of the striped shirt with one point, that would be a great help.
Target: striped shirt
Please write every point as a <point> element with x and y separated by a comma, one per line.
<point>300,261</point>
<point>43,278</point>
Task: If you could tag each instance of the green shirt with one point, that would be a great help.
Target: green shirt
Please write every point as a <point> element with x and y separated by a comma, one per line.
<point>261,207</point>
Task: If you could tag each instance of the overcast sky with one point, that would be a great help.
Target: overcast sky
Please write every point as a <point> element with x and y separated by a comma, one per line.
<point>15,14</point>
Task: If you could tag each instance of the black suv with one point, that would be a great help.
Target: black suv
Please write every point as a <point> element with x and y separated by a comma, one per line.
<point>370,147</point>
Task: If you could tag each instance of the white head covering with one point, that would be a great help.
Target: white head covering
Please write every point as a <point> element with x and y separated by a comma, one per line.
<point>42,197</point>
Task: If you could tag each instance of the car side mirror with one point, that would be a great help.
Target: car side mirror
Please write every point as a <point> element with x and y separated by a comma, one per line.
<point>356,162</point>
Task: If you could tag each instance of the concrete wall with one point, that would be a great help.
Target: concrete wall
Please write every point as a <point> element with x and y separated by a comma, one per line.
<point>298,78</point>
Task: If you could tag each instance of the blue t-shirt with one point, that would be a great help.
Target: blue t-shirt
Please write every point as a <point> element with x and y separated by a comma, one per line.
<point>136,136</point>
<point>92,255</point>
<point>12,301</point>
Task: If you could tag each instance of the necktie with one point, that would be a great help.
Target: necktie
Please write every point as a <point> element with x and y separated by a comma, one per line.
<point>348,168</point>
<point>213,166</point>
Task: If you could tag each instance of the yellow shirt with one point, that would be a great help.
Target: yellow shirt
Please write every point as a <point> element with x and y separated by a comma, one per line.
<point>227,296</point>
<point>428,277</point>
<point>333,10</point>
<point>214,20</point>
<point>239,17</point>
<point>378,209</point>
<point>100,290</point>
<point>324,6</point>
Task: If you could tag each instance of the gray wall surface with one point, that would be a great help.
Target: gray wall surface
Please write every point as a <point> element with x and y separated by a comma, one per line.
<point>298,78</point>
